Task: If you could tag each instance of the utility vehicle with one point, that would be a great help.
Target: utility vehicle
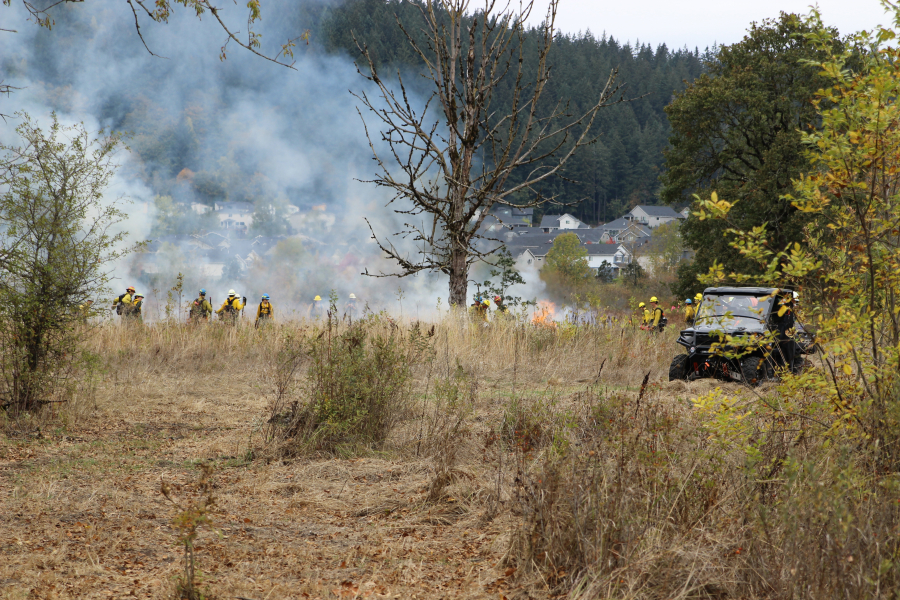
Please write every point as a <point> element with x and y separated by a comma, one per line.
<point>735,336</point>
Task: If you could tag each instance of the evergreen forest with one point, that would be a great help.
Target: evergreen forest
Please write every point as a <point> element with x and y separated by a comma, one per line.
<point>621,169</point>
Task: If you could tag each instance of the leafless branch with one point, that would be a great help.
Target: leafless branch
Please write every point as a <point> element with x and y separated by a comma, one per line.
<point>137,27</point>
<point>160,12</point>
<point>449,157</point>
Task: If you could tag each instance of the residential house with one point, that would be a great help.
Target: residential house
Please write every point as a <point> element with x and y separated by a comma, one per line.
<point>653,216</point>
<point>623,231</point>
<point>210,241</point>
<point>234,215</point>
<point>615,255</point>
<point>553,222</point>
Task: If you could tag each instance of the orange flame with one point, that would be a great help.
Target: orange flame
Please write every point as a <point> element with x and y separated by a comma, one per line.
<point>543,314</point>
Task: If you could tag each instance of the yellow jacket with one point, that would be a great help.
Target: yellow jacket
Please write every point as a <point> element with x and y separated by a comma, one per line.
<point>656,316</point>
<point>267,311</point>
<point>689,312</point>
<point>480,311</point>
<point>124,299</point>
<point>234,303</point>
<point>646,317</point>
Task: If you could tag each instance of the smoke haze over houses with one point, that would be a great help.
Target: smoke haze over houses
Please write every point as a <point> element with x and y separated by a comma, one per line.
<point>204,130</point>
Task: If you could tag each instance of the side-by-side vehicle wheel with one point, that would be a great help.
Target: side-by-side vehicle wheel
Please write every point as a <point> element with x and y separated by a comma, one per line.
<point>754,370</point>
<point>678,368</point>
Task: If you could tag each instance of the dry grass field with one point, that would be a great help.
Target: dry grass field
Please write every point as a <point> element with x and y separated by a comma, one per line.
<point>475,498</point>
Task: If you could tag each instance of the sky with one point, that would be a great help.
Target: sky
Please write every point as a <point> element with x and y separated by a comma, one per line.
<point>700,23</point>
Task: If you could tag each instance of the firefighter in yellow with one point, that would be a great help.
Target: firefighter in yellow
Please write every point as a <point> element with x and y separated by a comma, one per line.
<point>502,309</point>
<point>690,311</point>
<point>136,313</point>
<point>657,321</point>
<point>229,310</point>
<point>201,308</point>
<point>643,315</point>
<point>265,313</point>
<point>84,311</point>
<point>122,304</point>
<point>479,308</point>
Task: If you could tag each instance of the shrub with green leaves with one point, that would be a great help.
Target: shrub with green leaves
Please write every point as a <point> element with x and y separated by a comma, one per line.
<point>357,386</point>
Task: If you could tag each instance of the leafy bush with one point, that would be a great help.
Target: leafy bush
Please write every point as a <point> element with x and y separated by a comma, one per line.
<point>57,237</point>
<point>357,385</point>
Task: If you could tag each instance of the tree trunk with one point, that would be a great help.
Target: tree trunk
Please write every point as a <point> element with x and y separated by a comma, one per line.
<point>459,275</point>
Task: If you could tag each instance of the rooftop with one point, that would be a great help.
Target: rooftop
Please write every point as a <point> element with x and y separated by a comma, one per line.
<point>653,210</point>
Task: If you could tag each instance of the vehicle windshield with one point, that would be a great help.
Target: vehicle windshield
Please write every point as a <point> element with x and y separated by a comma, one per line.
<point>733,312</point>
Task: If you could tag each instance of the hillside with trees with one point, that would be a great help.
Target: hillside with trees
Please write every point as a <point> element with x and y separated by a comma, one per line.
<point>617,172</point>
<point>188,148</point>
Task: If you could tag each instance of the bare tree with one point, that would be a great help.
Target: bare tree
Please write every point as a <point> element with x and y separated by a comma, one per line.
<point>455,156</point>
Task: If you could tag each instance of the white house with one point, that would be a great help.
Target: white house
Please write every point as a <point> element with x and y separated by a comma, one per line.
<point>234,215</point>
<point>615,255</point>
<point>553,222</point>
<point>653,216</point>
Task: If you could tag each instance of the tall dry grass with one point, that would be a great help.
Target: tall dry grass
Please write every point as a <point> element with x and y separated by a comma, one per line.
<point>611,483</point>
<point>506,349</point>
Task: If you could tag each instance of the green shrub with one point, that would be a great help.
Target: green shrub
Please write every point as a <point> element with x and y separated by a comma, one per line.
<point>357,385</point>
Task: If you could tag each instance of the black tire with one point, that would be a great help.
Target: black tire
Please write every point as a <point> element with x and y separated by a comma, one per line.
<point>754,370</point>
<point>678,368</point>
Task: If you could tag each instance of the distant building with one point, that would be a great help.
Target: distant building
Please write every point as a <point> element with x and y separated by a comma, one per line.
<point>623,231</point>
<point>653,216</point>
<point>234,215</point>
<point>614,255</point>
<point>553,222</point>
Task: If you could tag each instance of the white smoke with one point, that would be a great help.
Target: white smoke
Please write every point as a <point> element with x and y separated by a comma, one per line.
<point>297,131</point>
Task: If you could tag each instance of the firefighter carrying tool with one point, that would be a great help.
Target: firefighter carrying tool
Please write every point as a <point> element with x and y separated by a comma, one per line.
<point>229,310</point>
<point>201,308</point>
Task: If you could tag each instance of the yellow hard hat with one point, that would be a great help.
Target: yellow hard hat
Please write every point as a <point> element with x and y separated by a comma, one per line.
<point>317,298</point>
<point>699,296</point>
<point>653,299</point>
<point>641,305</point>
<point>486,302</point>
